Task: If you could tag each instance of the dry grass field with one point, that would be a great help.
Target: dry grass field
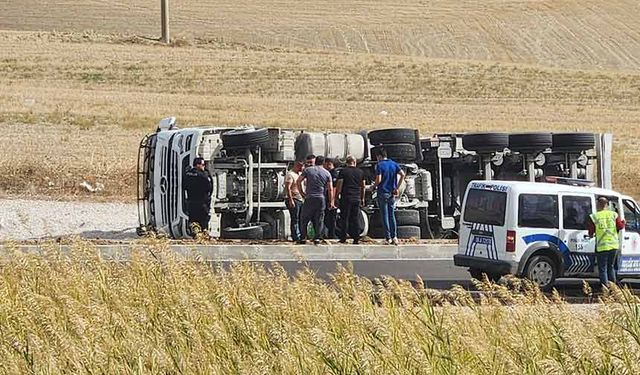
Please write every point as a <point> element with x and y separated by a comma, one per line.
<point>562,33</point>
<point>78,313</point>
<point>76,96</point>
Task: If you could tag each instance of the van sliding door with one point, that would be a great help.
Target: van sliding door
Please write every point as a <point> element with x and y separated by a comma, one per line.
<point>574,234</point>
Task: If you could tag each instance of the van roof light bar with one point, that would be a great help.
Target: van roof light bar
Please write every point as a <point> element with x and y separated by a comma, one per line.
<point>569,181</point>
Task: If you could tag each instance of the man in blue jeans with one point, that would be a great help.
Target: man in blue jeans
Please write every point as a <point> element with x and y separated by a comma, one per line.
<point>293,198</point>
<point>605,224</point>
<point>387,182</point>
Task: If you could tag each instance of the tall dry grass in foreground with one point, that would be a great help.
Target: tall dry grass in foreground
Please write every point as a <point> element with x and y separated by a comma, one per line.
<point>161,314</point>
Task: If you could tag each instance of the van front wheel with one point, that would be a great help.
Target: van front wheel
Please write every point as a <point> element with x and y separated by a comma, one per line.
<point>542,271</point>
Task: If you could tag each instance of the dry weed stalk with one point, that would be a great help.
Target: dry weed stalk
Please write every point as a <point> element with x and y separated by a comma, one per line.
<point>162,313</point>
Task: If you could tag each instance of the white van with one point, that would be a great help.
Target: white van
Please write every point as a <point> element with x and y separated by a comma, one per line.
<point>539,230</point>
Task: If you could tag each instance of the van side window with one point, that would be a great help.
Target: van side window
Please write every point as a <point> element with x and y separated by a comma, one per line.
<point>613,202</point>
<point>575,212</point>
<point>631,216</point>
<point>538,211</point>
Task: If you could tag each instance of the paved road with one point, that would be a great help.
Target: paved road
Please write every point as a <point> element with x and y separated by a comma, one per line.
<point>432,262</point>
<point>437,274</point>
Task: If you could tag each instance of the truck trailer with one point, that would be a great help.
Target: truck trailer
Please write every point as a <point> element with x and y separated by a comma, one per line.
<point>248,165</point>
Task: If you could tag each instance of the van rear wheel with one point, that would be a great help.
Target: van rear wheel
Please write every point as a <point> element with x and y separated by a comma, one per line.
<point>543,271</point>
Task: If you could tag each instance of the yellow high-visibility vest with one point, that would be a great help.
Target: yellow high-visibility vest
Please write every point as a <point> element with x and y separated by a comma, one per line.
<point>606,231</point>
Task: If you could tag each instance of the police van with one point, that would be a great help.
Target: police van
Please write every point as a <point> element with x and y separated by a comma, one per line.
<point>539,230</point>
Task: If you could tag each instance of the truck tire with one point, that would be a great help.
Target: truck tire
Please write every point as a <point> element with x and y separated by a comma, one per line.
<point>267,231</point>
<point>268,224</point>
<point>253,232</point>
<point>376,232</point>
<point>485,142</point>
<point>403,232</point>
<point>400,152</point>
<point>409,231</point>
<point>384,136</point>
<point>403,217</point>
<point>244,138</point>
<point>408,217</point>
<point>363,222</point>
<point>543,271</point>
<point>573,141</point>
<point>530,142</point>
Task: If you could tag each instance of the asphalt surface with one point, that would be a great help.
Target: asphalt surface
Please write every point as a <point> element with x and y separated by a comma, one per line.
<point>436,274</point>
<point>433,263</point>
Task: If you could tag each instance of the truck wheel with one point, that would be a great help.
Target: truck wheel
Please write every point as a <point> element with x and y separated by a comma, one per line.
<point>403,232</point>
<point>363,223</point>
<point>253,232</point>
<point>302,146</point>
<point>268,224</point>
<point>543,271</point>
<point>397,151</point>
<point>530,142</point>
<point>408,217</point>
<point>267,232</point>
<point>573,141</point>
<point>485,142</point>
<point>403,217</point>
<point>384,136</point>
<point>376,232</point>
<point>409,231</point>
<point>244,138</point>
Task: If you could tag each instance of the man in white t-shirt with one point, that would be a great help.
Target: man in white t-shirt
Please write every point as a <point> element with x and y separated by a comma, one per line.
<point>293,198</point>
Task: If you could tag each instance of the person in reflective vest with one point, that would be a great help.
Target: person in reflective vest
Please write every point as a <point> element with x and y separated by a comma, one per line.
<point>605,224</point>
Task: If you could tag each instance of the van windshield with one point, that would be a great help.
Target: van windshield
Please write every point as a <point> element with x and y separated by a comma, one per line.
<point>485,207</point>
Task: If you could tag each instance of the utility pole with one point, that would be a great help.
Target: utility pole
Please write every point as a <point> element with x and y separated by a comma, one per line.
<point>164,18</point>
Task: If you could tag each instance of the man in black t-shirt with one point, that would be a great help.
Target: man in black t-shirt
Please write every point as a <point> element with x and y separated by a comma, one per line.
<point>350,188</point>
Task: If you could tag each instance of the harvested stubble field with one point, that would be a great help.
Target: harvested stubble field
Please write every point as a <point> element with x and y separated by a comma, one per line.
<point>77,313</point>
<point>75,102</point>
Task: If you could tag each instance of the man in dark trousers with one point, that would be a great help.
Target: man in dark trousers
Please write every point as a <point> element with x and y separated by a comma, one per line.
<point>387,182</point>
<point>293,199</point>
<point>318,184</point>
<point>198,185</point>
<point>605,224</point>
<point>350,188</point>
<point>331,214</point>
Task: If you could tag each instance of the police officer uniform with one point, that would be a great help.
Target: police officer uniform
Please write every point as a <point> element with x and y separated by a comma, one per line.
<point>607,244</point>
<point>198,186</point>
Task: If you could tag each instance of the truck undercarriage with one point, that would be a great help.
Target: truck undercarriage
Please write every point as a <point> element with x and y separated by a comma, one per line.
<point>248,166</point>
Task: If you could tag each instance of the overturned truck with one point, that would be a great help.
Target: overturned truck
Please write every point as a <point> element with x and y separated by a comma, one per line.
<point>248,165</point>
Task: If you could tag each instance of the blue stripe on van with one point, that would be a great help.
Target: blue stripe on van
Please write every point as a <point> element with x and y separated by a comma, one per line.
<point>564,249</point>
